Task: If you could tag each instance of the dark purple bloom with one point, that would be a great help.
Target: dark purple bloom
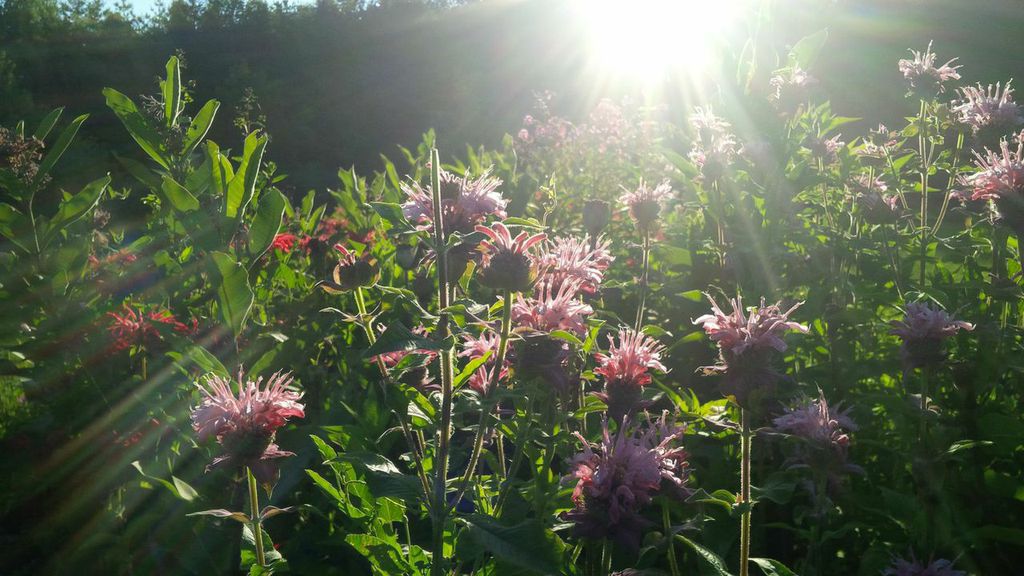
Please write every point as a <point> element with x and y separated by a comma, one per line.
<point>923,330</point>
<point>465,202</point>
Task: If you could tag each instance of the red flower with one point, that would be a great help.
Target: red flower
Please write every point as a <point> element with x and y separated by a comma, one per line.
<point>283,242</point>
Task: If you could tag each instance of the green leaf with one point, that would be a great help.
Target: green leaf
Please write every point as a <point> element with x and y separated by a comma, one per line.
<point>806,51</point>
<point>710,558</point>
<point>172,91</point>
<point>673,255</point>
<point>266,223</point>
<point>141,173</point>
<point>144,135</point>
<point>527,545</point>
<point>199,127</point>
<point>178,195</point>
<point>58,148</point>
<point>240,188</point>
<point>75,207</point>
<point>772,567</point>
<point>48,123</point>
<point>234,295</point>
<point>385,555</point>
<point>392,213</point>
<point>12,225</point>
<point>222,513</point>
<point>398,338</point>
<point>199,356</point>
<point>470,368</point>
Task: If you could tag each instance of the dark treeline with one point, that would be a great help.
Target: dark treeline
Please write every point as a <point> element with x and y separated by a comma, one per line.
<point>341,82</point>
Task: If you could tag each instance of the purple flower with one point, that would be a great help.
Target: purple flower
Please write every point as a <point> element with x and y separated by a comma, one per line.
<point>616,479</point>
<point>827,149</point>
<point>714,146</point>
<point>507,263</point>
<point>552,309</point>
<point>990,109</point>
<point>922,330</point>
<point>791,87</point>
<point>923,75</point>
<point>871,198</point>
<point>465,202</point>
<point>882,143</point>
<point>1001,178</point>
<point>746,342</point>
<point>645,203</point>
<point>913,567</point>
<point>626,370</point>
<point>245,424</point>
<point>578,258</point>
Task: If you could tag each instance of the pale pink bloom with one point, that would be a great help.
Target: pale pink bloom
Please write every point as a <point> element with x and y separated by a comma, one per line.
<point>882,143</point>
<point>791,86</point>
<point>621,475</point>
<point>552,309</point>
<point>988,108</point>
<point>922,73</point>
<point>739,331</point>
<point>474,347</point>
<point>500,240</point>
<point>628,361</point>
<point>922,330</point>
<point>825,148</point>
<point>644,203</point>
<point>465,202</point>
<point>579,258</point>
<point>507,263</point>
<point>714,145</point>
<point>1001,174</point>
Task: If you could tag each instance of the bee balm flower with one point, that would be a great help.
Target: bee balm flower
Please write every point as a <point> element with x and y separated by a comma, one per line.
<point>550,309</point>
<point>645,203</point>
<point>578,258</point>
<point>245,424</point>
<point>626,370</point>
<point>922,74</point>
<point>1001,178</point>
<point>507,263</point>
<point>922,330</point>
<point>988,110</point>
<point>465,202</point>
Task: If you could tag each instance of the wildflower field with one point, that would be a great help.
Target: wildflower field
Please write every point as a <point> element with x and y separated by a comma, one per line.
<point>748,335</point>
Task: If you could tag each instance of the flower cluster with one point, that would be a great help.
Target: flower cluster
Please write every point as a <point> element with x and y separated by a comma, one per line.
<point>746,342</point>
<point>714,145</point>
<point>823,433</point>
<point>507,263</point>
<point>922,330</point>
<point>922,73</point>
<point>881,143</point>
<point>245,424</point>
<point>988,110</point>
<point>913,567</point>
<point>583,259</point>
<point>625,370</point>
<point>283,242</point>
<point>644,203</point>
<point>465,202</point>
<point>133,328</point>
<point>825,149</point>
<point>550,309</point>
<point>615,480</point>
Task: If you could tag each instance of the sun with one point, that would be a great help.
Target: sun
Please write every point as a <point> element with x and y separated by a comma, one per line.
<point>649,39</point>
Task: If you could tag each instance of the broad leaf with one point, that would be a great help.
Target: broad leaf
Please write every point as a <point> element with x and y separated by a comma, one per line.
<point>75,207</point>
<point>527,545</point>
<point>172,91</point>
<point>234,295</point>
<point>178,195</point>
<point>199,127</point>
<point>241,186</point>
<point>266,223</point>
<point>58,148</point>
<point>144,135</point>
<point>772,567</point>
<point>48,123</point>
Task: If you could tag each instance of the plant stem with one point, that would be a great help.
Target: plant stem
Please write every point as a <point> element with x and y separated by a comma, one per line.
<point>606,557</point>
<point>254,510</point>
<point>478,443</point>
<point>922,142</point>
<point>446,371</point>
<point>745,491</point>
<point>643,280</point>
<point>667,522</point>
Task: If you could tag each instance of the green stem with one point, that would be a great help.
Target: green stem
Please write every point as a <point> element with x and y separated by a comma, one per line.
<point>606,557</point>
<point>478,443</point>
<point>745,491</point>
<point>922,143</point>
<point>643,280</point>
<point>254,510</point>
<point>446,371</point>
<point>667,522</point>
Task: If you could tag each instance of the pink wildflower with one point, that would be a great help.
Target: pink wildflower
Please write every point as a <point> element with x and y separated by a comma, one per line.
<point>245,424</point>
<point>283,242</point>
<point>617,478</point>
<point>791,87</point>
<point>552,309</point>
<point>131,328</point>
<point>579,258</point>
<point>626,370</point>
<point>507,263</point>
<point>714,145</point>
<point>988,109</point>
<point>1001,178</point>
<point>474,347</point>
<point>827,149</point>
<point>922,330</point>
<point>746,342</point>
<point>923,75</point>
<point>351,272</point>
<point>645,203</point>
<point>465,202</point>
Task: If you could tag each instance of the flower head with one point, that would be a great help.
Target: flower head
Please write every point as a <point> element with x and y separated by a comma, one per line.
<point>988,110</point>
<point>1001,178</point>
<point>871,198</point>
<point>626,370</point>
<point>645,203</point>
<point>507,263</point>
<point>474,347</point>
<point>245,424</point>
<point>596,215</point>
<point>922,330</point>
<point>790,87</point>
<point>584,259</point>
<point>616,479</point>
<point>283,242</point>
<point>746,342</point>
<point>827,149</point>
<point>923,75</point>
<point>550,309</point>
<point>714,145</point>
<point>465,202</point>
<point>351,272</point>
<point>913,567</point>
<point>133,328</point>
